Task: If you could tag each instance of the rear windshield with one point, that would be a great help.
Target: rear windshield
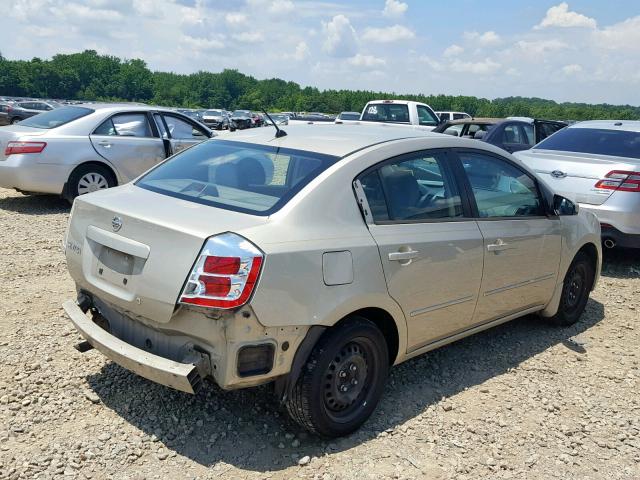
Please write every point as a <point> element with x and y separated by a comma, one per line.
<point>350,116</point>
<point>597,141</point>
<point>56,117</point>
<point>238,176</point>
<point>386,112</point>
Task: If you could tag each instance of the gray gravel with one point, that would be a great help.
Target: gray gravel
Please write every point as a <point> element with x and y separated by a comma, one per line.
<point>520,401</point>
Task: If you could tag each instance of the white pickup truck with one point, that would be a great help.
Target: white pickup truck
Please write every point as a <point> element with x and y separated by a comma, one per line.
<point>400,112</point>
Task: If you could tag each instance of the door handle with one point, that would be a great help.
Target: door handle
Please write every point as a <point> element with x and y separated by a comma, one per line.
<point>499,246</point>
<point>104,144</point>
<point>403,256</point>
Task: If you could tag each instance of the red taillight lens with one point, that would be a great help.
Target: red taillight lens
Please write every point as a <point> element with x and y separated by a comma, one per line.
<point>24,147</point>
<point>222,265</point>
<point>225,273</point>
<point>620,180</point>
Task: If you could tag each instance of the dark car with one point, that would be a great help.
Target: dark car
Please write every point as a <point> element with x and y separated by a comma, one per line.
<point>4,113</point>
<point>242,119</point>
<point>21,110</point>
<point>511,134</point>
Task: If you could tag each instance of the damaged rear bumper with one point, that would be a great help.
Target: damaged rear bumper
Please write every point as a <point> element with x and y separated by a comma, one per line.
<point>181,376</point>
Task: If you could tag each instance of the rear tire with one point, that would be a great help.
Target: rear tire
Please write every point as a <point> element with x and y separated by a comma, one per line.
<point>89,178</point>
<point>342,381</point>
<point>575,291</point>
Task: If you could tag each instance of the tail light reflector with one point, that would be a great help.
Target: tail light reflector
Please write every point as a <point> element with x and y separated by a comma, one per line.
<point>24,147</point>
<point>620,180</point>
<point>225,273</point>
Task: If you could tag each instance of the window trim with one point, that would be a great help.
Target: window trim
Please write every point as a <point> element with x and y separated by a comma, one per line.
<point>472,199</point>
<point>451,162</point>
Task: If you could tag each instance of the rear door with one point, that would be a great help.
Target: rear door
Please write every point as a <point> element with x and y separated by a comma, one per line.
<point>128,141</point>
<point>430,247</point>
<point>521,243</point>
<point>181,132</point>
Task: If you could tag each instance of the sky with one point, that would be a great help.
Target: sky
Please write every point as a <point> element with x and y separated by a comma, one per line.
<point>580,50</point>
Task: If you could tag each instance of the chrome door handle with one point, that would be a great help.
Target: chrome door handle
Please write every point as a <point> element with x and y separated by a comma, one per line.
<point>403,256</point>
<point>499,246</point>
<point>104,144</point>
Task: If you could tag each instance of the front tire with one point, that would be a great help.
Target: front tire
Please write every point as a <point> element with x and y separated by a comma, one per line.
<point>575,291</point>
<point>342,381</point>
<point>89,178</point>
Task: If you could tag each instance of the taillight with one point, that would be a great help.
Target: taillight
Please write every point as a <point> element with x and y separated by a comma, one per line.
<point>620,180</point>
<point>225,273</point>
<point>24,147</point>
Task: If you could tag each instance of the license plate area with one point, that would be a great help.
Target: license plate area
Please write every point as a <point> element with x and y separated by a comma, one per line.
<point>114,266</point>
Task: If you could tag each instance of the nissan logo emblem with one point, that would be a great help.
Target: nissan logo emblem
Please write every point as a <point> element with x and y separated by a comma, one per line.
<point>116,223</point>
<point>558,174</point>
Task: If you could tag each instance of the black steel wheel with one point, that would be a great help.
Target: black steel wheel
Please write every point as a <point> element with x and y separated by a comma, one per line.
<point>343,379</point>
<point>575,291</point>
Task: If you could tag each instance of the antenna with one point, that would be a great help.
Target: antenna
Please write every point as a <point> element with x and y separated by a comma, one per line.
<point>279,132</point>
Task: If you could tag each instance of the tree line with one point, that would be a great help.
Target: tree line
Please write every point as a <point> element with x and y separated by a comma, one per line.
<point>89,76</point>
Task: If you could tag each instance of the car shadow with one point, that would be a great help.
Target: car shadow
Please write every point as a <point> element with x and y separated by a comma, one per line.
<point>248,429</point>
<point>35,204</point>
<point>621,263</point>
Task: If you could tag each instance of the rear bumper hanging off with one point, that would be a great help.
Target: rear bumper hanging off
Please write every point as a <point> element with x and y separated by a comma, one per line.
<point>181,376</point>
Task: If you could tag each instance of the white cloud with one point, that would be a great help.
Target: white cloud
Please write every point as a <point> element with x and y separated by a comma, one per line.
<point>341,40</point>
<point>281,7</point>
<point>394,8</point>
<point>538,47</point>
<point>561,16</point>
<point>452,51</point>
<point>620,36</point>
<point>434,65</point>
<point>235,18</point>
<point>366,61</point>
<point>83,13</point>
<point>248,37</point>
<point>485,39</point>
<point>202,44</point>
<point>387,34</point>
<point>486,66</point>
<point>300,53</point>
<point>571,69</point>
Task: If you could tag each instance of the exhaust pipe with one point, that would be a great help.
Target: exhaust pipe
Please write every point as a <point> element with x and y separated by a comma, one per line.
<point>609,243</point>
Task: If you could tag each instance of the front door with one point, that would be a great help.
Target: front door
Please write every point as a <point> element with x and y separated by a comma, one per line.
<point>182,133</point>
<point>521,243</point>
<point>431,250</point>
<point>127,141</point>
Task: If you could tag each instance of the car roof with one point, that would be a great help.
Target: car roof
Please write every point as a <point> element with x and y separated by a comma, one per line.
<point>330,139</point>
<point>475,120</point>
<point>626,125</point>
<point>122,106</point>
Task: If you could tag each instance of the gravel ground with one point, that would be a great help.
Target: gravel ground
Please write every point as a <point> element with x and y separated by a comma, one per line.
<point>522,400</point>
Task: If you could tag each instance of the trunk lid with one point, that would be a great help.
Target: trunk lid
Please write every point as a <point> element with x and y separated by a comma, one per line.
<point>574,175</point>
<point>135,248</point>
<point>16,132</point>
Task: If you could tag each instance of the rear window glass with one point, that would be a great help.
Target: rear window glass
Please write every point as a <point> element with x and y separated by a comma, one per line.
<point>597,141</point>
<point>349,116</point>
<point>56,118</point>
<point>239,176</point>
<point>386,112</point>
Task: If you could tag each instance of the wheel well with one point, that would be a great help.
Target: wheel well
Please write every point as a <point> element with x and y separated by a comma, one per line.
<point>101,164</point>
<point>384,321</point>
<point>591,251</point>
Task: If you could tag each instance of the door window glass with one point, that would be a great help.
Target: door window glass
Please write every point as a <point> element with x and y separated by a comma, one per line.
<point>126,125</point>
<point>426,116</point>
<point>501,189</point>
<point>160,124</point>
<point>421,188</point>
<point>183,130</point>
<point>454,130</point>
<point>528,133</point>
<point>513,135</point>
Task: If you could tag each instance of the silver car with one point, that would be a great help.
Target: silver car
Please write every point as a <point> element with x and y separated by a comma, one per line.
<point>74,150</point>
<point>596,164</point>
<point>318,259</point>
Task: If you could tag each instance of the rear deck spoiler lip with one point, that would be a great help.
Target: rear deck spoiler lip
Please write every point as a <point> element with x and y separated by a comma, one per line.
<point>180,376</point>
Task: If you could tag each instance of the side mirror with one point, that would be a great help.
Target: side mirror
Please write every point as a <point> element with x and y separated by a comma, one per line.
<point>564,206</point>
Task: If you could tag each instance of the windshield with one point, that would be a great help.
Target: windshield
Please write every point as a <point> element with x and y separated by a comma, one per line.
<point>349,116</point>
<point>56,118</point>
<point>242,113</point>
<point>239,176</point>
<point>386,112</point>
<point>597,141</point>
<point>213,113</point>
